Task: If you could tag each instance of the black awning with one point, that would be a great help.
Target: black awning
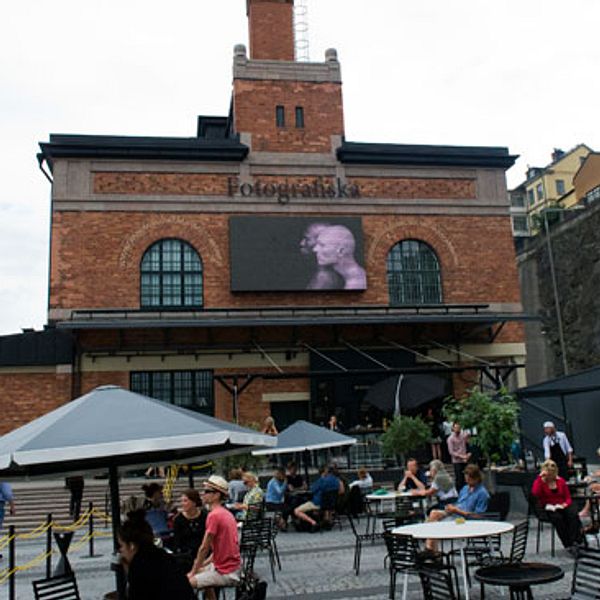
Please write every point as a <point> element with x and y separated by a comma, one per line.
<point>290,317</point>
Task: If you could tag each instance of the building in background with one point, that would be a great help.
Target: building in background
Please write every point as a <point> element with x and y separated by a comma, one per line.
<point>587,180</point>
<point>268,265</point>
<point>546,189</point>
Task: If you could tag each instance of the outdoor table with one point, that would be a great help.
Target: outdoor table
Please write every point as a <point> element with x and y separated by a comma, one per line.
<point>451,530</point>
<point>519,577</point>
<point>391,496</point>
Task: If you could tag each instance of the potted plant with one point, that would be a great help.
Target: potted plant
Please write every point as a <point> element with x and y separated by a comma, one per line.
<point>404,435</point>
<point>493,418</point>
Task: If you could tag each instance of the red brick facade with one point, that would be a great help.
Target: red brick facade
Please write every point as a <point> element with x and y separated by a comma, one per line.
<point>271,29</point>
<point>28,395</point>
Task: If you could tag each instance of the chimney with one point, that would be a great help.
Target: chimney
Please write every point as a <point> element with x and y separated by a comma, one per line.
<point>557,154</point>
<point>271,29</point>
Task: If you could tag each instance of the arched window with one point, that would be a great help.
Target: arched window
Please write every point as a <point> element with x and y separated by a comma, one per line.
<point>413,274</point>
<point>171,276</point>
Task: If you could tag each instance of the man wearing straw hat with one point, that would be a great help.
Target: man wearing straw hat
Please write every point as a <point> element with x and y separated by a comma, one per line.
<point>223,567</point>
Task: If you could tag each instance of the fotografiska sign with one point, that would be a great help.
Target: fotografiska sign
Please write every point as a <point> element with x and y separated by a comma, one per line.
<point>284,190</point>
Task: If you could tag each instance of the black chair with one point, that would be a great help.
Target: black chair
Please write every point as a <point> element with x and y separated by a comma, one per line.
<point>518,548</point>
<point>439,584</point>
<point>63,587</point>
<point>586,576</point>
<point>261,534</point>
<point>499,502</point>
<point>359,539</point>
<point>542,518</point>
<point>402,555</point>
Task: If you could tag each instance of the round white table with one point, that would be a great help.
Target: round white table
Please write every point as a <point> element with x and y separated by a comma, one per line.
<point>390,496</point>
<point>451,530</point>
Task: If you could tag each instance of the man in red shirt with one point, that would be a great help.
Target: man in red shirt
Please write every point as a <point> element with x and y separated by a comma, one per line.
<point>221,538</point>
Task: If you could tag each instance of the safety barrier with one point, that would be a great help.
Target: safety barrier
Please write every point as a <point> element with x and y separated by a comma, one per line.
<point>87,519</point>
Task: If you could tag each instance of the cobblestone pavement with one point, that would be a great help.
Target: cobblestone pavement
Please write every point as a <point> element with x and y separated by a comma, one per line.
<point>314,567</point>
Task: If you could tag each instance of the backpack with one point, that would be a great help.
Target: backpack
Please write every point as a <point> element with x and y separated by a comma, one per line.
<point>252,589</point>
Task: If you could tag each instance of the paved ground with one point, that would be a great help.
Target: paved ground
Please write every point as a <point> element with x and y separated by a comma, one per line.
<point>315,567</point>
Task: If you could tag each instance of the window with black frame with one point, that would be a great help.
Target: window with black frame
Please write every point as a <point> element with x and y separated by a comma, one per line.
<point>171,276</point>
<point>413,274</point>
<point>188,389</point>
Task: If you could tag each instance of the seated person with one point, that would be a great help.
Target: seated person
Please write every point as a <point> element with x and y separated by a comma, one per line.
<point>253,498</point>
<point>188,527</point>
<point>472,501</point>
<point>275,498</point>
<point>237,487</point>
<point>364,481</point>
<point>293,479</point>
<point>442,486</point>
<point>414,477</point>
<point>152,573</point>
<point>326,482</point>
<point>157,510</point>
<point>593,489</point>
<point>552,493</point>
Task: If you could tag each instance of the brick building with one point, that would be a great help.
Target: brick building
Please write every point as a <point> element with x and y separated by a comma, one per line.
<point>184,267</point>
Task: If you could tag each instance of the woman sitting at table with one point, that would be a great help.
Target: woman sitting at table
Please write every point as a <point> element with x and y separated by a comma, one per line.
<point>442,486</point>
<point>551,492</point>
<point>275,498</point>
<point>188,528</point>
<point>253,499</point>
<point>152,573</point>
<point>472,501</point>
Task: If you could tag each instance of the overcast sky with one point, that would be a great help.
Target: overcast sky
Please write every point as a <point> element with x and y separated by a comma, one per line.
<point>516,73</point>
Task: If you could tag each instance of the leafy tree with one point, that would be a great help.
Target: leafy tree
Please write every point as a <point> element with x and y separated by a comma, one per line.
<point>493,417</point>
<point>405,435</point>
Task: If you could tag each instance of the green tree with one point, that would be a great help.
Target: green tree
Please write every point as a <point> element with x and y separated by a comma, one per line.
<point>493,416</point>
<point>405,435</point>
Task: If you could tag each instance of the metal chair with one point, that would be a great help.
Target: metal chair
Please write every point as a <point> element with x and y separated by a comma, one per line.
<point>402,556</point>
<point>542,517</point>
<point>438,584</point>
<point>63,587</point>
<point>586,576</point>
<point>359,539</point>
<point>518,548</point>
<point>329,512</point>
<point>261,534</point>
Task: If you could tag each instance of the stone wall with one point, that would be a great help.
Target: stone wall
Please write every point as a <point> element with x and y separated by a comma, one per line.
<point>576,249</point>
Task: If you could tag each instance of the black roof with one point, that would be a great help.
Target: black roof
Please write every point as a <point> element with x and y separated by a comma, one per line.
<point>410,154</point>
<point>127,147</point>
<point>36,348</point>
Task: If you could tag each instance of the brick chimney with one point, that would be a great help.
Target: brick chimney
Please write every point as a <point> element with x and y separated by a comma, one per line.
<point>271,29</point>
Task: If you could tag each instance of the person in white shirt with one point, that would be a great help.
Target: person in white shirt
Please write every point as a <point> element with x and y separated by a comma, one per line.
<point>364,481</point>
<point>558,448</point>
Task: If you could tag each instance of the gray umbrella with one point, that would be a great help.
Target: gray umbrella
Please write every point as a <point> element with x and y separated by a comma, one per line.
<point>112,427</point>
<point>303,436</point>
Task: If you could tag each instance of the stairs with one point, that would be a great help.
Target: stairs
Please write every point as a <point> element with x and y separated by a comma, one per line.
<point>35,499</point>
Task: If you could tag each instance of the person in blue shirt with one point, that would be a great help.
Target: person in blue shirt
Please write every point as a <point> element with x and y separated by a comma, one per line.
<point>275,498</point>
<point>326,482</point>
<point>472,501</point>
<point>6,496</point>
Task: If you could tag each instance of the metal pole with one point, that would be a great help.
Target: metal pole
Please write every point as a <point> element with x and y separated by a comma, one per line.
<point>11,564</point>
<point>49,546</point>
<point>235,402</point>
<point>115,513</point>
<point>91,528</point>
<point>561,335</point>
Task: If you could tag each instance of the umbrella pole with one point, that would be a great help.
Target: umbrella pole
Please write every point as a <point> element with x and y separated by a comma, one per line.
<point>306,456</point>
<point>115,512</point>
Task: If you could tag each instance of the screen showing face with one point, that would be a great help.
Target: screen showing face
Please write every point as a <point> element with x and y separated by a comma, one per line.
<point>296,253</point>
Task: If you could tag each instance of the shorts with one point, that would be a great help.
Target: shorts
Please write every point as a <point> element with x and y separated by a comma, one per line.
<point>307,507</point>
<point>210,577</point>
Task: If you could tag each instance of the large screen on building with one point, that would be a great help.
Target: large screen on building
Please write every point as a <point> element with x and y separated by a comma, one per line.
<point>296,253</point>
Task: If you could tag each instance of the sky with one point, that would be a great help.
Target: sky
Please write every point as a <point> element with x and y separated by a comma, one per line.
<point>516,73</point>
